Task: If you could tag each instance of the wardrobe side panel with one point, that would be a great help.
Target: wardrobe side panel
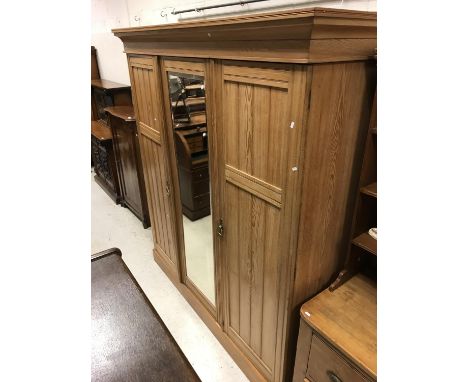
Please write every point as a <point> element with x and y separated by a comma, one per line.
<point>340,103</point>
<point>341,99</point>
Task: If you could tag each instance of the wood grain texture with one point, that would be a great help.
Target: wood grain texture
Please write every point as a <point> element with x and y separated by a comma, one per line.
<point>304,342</point>
<point>299,109</point>
<point>125,113</point>
<point>254,185</point>
<point>367,242</point>
<point>298,36</point>
<point>342,94</point>
<point>101,131</point>
<point>143,75</point>
<point>107,85</point>
<point>150,133</point>
<point>128,160</point>
<point>338,113</point>
<point>143,350</point>
<point>327,365</point>
<point>365,213</point>
<point>347,318</point>
<point>272,257</point>
<point>256,162</point>
<point>212,89</point>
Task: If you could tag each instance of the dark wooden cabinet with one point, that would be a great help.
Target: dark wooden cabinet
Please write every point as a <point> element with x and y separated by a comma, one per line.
<point>194,179</point>
<point>104,94</point>
<point>94,76</point>
<point>102,153</point>
<point>121,120</point>
<point>94,65</point>
<point>108,93</point>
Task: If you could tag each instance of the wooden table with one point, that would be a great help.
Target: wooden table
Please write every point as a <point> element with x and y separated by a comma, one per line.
<point>338,334</point>
<point>129,340</point>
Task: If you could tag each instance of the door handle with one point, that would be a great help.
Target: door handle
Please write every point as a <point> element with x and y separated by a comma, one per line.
<point>220,228</point>
<point>333,377</point>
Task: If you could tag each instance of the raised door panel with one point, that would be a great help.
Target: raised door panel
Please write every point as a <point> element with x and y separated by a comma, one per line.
<point>258,153</point>
<point>147,104</point>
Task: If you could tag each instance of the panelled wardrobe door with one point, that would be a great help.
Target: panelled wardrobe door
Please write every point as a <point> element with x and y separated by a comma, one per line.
<point>260,133</point>
<point>146,88</point>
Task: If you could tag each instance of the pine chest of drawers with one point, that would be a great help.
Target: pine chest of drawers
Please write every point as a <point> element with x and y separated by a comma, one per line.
<point>337,335</point>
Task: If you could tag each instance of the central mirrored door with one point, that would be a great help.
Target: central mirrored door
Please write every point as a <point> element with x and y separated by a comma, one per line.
<point>187,100</point>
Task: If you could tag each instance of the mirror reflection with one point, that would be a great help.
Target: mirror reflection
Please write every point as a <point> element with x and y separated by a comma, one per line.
<point>188,108</point>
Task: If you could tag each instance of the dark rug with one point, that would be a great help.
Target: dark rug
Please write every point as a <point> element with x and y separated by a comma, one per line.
<point>129,340</point>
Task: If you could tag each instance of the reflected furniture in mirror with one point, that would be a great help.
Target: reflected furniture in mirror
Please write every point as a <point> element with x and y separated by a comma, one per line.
<point>284,99</point>
<point>193,173</point>
<point>187,97</point>
<point>186,89</point>
<point>121,120</point>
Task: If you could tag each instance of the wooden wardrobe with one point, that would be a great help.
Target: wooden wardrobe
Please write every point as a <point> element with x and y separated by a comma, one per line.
<point>288,97</point>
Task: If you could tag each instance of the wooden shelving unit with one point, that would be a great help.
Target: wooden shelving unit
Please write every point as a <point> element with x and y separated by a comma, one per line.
<point>367,242</point>
<point>362,249</point>
<point>370,189</point>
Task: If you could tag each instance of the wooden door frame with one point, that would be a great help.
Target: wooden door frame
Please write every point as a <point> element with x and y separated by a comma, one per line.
<point>198,67</point>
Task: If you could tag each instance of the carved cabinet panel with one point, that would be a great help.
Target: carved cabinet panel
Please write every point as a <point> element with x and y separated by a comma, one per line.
<point>103,157</point>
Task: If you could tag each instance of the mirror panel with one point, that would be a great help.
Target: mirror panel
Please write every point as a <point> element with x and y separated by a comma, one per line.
<point>188,109</point>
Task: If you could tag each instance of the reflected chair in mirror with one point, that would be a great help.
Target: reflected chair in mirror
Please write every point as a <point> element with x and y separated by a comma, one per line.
<point>179,109</point>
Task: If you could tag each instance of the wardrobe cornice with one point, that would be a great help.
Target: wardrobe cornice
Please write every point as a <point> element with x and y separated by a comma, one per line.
<point>311,35</point>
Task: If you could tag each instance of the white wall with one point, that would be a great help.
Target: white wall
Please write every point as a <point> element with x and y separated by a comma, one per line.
<point>109,14</point>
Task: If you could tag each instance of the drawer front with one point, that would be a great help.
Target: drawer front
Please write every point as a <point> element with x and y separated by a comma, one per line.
<point>200,173</point>
<point>197,143</point>
<point>326,365</point>
<point>201,201</point>
<point>200,188</point>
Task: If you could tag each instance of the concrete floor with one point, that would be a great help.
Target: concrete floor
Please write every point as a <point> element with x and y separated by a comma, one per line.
<point>115,226</point>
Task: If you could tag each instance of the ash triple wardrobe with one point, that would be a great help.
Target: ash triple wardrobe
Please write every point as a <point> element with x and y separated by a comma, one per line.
<point>251,131</point>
